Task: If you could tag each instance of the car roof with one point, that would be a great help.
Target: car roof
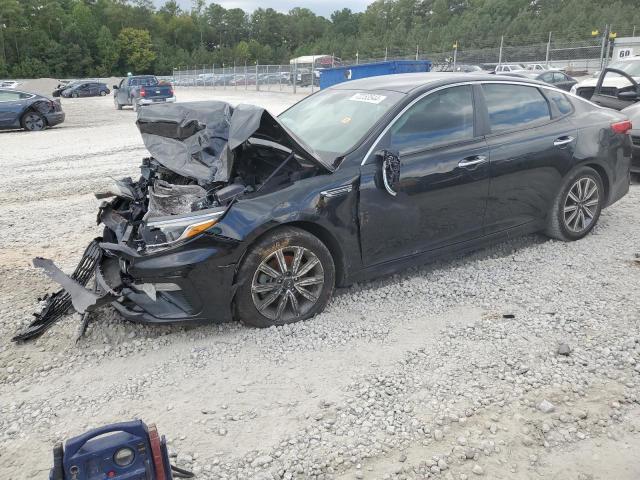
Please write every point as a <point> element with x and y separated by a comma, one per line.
<point>408,82</point>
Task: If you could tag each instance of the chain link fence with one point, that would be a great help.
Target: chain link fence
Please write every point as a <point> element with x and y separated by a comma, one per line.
<point>575,57</point>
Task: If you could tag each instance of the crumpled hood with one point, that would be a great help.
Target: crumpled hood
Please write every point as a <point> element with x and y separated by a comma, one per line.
<point>197,139</point>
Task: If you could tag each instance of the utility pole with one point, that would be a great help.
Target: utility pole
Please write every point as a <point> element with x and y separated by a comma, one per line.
<point>605,35</point>
<point>455,55</point>
<point>548,49</point>
<point>500,53</point>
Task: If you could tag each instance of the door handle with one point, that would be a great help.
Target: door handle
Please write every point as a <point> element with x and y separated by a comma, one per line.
<point>561,141</point>
<point>472,161</point>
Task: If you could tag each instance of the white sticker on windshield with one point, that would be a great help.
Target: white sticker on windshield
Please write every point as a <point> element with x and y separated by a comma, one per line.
<point>367,97</point>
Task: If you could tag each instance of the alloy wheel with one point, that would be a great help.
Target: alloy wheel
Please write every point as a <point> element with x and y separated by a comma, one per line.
<point>33,122</point>
<point>287,283</point>
<point>581,205</point>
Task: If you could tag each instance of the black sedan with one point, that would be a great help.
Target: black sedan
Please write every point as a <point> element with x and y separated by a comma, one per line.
<point>242,215</point>
<point>85,89</point>
<point>29,111</point>
<point>553,77</point>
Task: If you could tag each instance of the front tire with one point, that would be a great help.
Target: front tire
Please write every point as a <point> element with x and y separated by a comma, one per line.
<point>576,209</point>
<point>287,276</point>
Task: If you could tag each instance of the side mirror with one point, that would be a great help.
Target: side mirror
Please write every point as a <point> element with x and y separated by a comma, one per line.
<point>115,87</point>
<point>628,95</point>
<point>390,169</point>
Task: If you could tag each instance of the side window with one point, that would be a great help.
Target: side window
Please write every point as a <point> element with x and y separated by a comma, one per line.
<point>560,100</point>
<point>441,118</point>
<point>515,107</point>
<point>547,77</point>
<point>8,96</point>
<point>559,77</point>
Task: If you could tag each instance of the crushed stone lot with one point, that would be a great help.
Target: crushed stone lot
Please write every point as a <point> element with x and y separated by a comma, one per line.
<point>520,361</point>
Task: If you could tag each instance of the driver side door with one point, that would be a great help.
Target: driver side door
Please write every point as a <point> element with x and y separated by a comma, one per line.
<point>443,187</point>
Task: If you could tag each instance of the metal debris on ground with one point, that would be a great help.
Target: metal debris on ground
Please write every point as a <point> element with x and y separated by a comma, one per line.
<point>59,302</point>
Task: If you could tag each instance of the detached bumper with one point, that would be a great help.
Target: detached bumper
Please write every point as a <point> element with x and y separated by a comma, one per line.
<point>151,101</point>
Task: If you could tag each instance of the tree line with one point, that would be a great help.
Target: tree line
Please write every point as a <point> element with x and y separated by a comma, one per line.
<point>80,38</point>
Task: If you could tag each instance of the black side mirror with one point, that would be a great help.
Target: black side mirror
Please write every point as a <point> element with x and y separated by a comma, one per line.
<point>115,87</point>
<point>628,95</point>
<point>390,169</point>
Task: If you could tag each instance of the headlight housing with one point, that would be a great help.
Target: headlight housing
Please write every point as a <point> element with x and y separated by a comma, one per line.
<point>165,231</point>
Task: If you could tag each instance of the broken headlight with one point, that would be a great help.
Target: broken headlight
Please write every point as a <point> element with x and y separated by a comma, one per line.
<point>166,230</point>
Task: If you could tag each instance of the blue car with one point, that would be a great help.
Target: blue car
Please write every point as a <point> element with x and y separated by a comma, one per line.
<point>26,110</point>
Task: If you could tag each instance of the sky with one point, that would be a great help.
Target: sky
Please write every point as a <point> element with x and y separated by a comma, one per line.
<point>319,7</point>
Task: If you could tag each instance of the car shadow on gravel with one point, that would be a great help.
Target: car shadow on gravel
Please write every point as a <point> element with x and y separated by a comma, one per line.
<point>108,323</point>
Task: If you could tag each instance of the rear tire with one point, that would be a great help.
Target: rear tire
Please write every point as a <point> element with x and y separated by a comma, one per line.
<point>577,206</point>
<point>287,276</point>
<point>33,121</point>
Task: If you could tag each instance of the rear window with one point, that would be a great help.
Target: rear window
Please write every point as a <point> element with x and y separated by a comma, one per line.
<point>514,107</point>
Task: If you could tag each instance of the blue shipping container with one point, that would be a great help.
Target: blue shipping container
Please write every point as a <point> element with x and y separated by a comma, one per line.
<point>333,76</point>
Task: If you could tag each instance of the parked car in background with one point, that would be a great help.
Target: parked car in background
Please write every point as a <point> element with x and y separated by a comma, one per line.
<point>612,82</point>
<point>362,179</point>
<point>85,89</point>
<point>29,111</point>
<point>8,84</point>
<point>509,67</point>
<point>142,90</point>
<point>552,77</point>
<point>461,67</point>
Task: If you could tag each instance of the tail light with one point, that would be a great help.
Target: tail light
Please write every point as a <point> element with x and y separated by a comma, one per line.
<point>171,90</point>
<point>143,92</point>
<point>621,127</point>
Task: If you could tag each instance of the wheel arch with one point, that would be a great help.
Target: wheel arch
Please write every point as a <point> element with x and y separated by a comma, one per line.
<point>320,232</point>
<point>604,176</point>
<point>33,107</point>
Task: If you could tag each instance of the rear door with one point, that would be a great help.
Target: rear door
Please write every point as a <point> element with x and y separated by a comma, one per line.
<point>531,142</point>
<point>10,107</point>
<point>444,180</point>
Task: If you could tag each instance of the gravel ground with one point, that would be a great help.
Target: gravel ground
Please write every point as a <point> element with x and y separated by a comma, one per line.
<point>520,361</point>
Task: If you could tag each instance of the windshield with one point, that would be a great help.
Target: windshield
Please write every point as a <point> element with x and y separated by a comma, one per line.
<point>332,122</point>
<point>630,67</point>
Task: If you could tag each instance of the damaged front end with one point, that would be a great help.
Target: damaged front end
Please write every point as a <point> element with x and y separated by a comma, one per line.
<point>162,258</point>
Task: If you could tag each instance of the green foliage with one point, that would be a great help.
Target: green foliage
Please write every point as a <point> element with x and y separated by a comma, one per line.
<point>75,38</point>
<point>136,49</point>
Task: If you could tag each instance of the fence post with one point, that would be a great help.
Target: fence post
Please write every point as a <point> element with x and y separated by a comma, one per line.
<point>548,50</point>
<point>500,54</point>
<point>235,79</point>
<point>313,71</point>
<point>386,51</point>
<point>357,58</point>
<point>417,50</point>
<point>295,74</point>
<point>257,80</point>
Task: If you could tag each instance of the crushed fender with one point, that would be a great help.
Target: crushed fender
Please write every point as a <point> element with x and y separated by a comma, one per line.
<point>73,294</point>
